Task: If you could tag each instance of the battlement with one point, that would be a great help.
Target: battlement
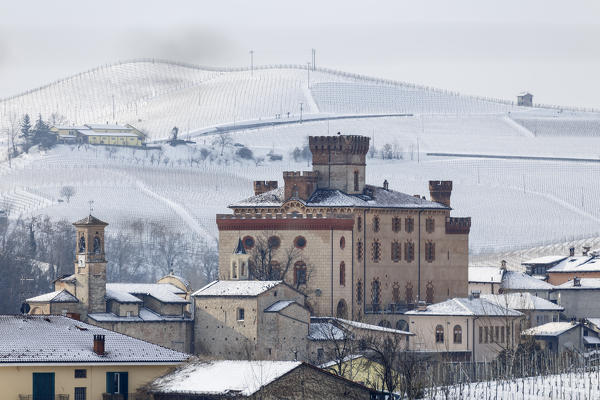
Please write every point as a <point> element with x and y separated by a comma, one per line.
<point>264,186</point>
<point>458,225</point>
<point>300,185</point>
<point>440,191</point>
<point>340,145</point>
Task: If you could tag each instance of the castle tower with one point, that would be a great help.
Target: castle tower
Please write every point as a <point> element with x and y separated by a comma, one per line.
<point>340,161</point>
<point>90,265</point>
<point>440,191</point>
<point>238,264</point>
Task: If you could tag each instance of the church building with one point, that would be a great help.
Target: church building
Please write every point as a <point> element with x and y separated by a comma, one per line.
<point>355,250</point>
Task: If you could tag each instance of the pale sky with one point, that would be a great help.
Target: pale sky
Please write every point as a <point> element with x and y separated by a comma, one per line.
<point>488,48</point>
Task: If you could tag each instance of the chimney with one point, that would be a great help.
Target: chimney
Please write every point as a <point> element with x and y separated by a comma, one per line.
<point>386,185</point>
<point>261,187</point>
<point>99,344</point>
<point>476,294</point>
<point>421,305</point>
<point>586,250</point>
<point>503,265</point>
<point>576,282</point>
<point>440,192</point>
<point>571,251</point>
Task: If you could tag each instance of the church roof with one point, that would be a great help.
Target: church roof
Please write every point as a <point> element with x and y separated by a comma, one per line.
<point>60,296</point>
<point>57,339</point>
<point>90,220</point>
<point>375,197</point>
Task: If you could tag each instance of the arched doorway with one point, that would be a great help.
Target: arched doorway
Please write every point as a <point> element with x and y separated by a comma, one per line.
<point>342,309</point>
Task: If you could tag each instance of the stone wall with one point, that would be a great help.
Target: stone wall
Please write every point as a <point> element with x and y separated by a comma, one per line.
<point>176,335</point>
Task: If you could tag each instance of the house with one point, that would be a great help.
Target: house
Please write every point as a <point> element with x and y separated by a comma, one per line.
<point>365,252</point>
<point>525,99</point>
<point>537,310</point>
<point>557,337</point>
<point>361,368</point>
<point>226,379</point>
<point>591,334</point>
<point>263,320</point>
<point>539,266</point>
<point>579,297</point>
<point>586,265</point>
<point>470,329</point>
<point>485,280</point>
<point>46,356</point>
<point>103,134</point>
<point>66,133</point>
<point>156,312</point>
<point>493,280</point>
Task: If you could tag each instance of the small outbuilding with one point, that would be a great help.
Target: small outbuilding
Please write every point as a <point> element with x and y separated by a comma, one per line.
<point>525,99</point>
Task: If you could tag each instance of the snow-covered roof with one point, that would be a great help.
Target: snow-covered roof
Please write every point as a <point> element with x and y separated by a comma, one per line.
<point>108,126</point>
<point>595,321</point>
<point>578,264</point>
<point>226,377</point>
<point>60,296</point>
<point>345,359</point>
<point>485,274</point>
<point>467,306</point>
<point>279,305</point>
<point>593,340</point>
<point>584,283</point>
<point>514,280</point>
<point>362,325</point>
<point>236,288</point>
<point>544,260</point>
<point>145,315</point>
<point>550,329</point>
<point>121,297</point>
<point>90,220</point>
<point>56,339</point>
<point>164,292</point>
<point>325,330</point>
<point>522,301</point>
<point>91,132</point>
<point>380,198</point>
<point>68,127</point>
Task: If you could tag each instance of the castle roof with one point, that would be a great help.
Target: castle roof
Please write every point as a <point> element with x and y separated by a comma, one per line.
<point>374,197</point>
<point>60,296</point>
<point>90,220</point>
<point>236,288</point>
<point>57,339</point>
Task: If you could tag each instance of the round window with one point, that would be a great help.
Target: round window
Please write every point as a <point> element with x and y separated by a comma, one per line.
<point>248,242</point>
<point>300,242</point>
<point>274,242</point>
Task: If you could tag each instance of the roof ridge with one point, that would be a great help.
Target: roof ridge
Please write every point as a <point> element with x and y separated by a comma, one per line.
<point>463,306</point>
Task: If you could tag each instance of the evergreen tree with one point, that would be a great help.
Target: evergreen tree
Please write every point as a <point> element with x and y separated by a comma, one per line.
<point>26,133</point>
<point>42,134</point>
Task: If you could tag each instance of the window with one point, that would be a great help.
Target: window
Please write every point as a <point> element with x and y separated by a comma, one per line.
<point>376,251</point>
<point>396,251</point>
<point>359,292</point>
<point>375,294</point>
<point>356,186</point>
<point>409,225</point>
<point>396,224</point>
<point>359,250</point>
<point>439,334</point>
<point>480,334</point>
<point>359,224</point>
<point>409,251</point>
<point>487,333</point>
<point>342,274</point>
<point>117,383</point>
<point>320,354</point>
<point>240,314</point>
<point>342,243</point>
<point>81,373</point>
<point>248,242</point>
<point>80,393</point>
<point>300,242</point>
<point>342,309</point>
<point>429,225</point>
<point>429,251</point>
<point>384,323</point>
<point>402,325</point>
<point>497,334</point>
<point>457,334</point>
<point>274,242</point>
<point>375,224</point>
<point>96,244</point>
<point>501,334</point>
<point>300,273</point>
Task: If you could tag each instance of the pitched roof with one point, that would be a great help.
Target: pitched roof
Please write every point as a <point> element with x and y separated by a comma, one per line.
<point>514,280</point>
<point>236,288</point>
<point>550,329</point>
<point>121,297</point>
<point>370,327</point>
<point>90,220</point>
<point>108,126</point>
<point>60,296</point>
<point>467,306</point>
<point>279,305</point>
<point>578,264</point>
<point>225,377</point>
<point>325,330</point>
<point>379,198</point>
<point>485,274</point>
<point>584,283</point>
<point>544,260</point>
<point>164,292</point>
<point>145,315</point>
<point>522,301</point>
<point>57,339</point>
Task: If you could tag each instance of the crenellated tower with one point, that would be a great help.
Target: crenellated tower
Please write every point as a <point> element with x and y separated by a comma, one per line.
<point>340,161</point>
<point>90,265</point>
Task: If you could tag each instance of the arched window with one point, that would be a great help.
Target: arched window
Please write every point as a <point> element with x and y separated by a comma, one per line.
<point>359,292</point>
<point>375,294</point>
<point>300,273</point>
<point>396,224</point>
<point>409,251</point>
<point>356,186</point>
<point>342,243</point>
<point>409,224</point>
<point>97,244</point>
<point>342,309</point>
<point>402,325</point>
<point>457,334</point>
<point>439,334</point>
<point>359,223</point>
<point>375,224</point>
<point>429,292</point>
<point>376,251</point>
<point>429,251</point>
<point>429,225</point>
<point>82,244</point>
<point>234,271</point>
<point>342,274</point>
<point>396,251</point>
<point>359,250</point>
<point>384,323</point>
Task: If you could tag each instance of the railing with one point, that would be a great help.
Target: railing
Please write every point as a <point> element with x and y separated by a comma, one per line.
<point>56,397</point>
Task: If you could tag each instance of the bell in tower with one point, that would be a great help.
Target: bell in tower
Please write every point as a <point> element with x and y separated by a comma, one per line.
<point>239,263</point>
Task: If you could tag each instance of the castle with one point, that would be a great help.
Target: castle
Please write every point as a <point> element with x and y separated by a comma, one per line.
<point>357,251</point>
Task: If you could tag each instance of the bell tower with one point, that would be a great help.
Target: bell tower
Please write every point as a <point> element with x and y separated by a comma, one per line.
<point>90,264</point>
<point>238,264</point>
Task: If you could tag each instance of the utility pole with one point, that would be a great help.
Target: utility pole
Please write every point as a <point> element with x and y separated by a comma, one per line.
<point>251,62</point>
<point>308,73</point>
<point>314,59</point>
<point>301,112</point>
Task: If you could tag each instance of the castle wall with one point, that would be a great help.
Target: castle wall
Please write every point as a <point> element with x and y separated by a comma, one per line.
<point>283,335</point>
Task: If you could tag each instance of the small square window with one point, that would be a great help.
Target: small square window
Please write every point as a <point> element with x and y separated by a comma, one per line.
<point>240,314</point>
<point>81,373</point>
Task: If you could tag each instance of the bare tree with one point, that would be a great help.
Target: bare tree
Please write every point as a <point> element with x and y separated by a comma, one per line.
<point>67,192</point>
<point>222,140</point>
<point>269,262</point>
